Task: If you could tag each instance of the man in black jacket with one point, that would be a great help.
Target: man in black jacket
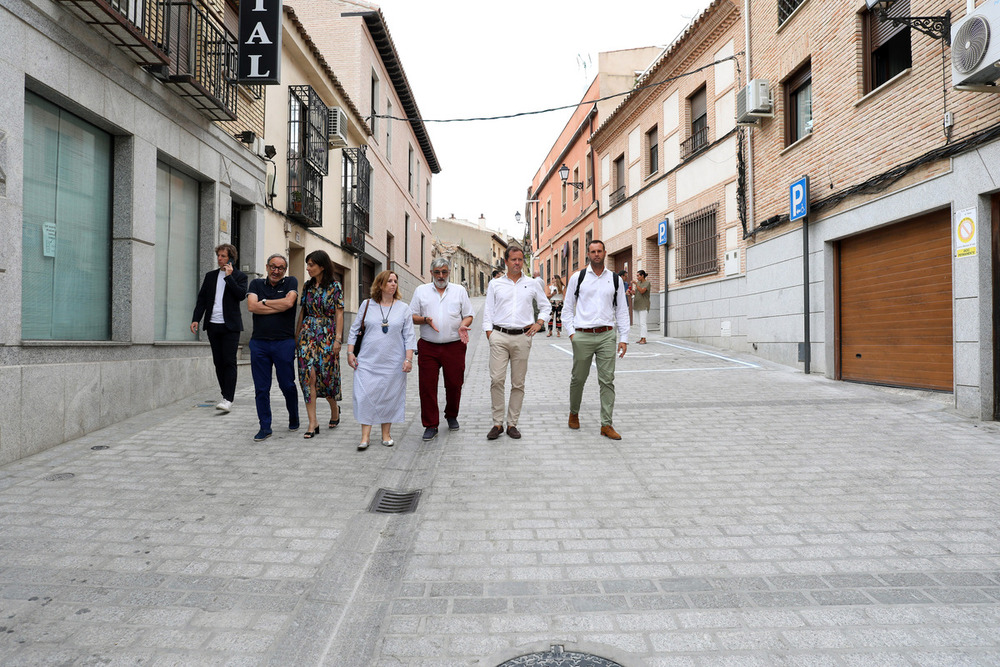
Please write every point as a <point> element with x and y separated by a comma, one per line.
<point>219,302</point>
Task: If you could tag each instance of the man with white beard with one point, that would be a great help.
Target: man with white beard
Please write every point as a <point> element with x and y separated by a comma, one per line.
<point>444,312</point>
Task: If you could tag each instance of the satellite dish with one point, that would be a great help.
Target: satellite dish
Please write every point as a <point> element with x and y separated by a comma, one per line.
<point>969,46</point>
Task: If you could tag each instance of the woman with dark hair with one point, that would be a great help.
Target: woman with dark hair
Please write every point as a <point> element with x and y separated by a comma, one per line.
<point>385,357</point>
<point>319,332</point>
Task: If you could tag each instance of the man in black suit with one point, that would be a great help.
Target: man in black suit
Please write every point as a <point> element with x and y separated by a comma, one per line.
<point>219,302</point>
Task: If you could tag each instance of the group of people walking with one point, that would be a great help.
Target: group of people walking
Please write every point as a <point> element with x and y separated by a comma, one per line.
<point>307,329</point>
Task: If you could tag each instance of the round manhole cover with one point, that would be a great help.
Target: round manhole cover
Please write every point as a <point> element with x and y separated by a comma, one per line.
<point>98,448</point>
<point>59,476</point>
<point>557,656</point>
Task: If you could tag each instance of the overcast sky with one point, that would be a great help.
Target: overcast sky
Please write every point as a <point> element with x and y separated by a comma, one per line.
<point>469,59</point>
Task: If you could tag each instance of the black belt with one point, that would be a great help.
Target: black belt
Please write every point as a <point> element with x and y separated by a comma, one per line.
<point>596,329</point>
<point>512,332</point>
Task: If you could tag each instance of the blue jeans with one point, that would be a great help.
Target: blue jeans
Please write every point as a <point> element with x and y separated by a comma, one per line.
<point>281,355</point>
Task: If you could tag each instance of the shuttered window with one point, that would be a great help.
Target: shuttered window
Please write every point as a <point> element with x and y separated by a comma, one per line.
<point>887,45</point>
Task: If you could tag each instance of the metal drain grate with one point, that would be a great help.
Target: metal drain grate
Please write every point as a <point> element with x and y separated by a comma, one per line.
<point>99,448</point>
<point>387,501</point>
<point>59,476</point>
<point>557,656</point>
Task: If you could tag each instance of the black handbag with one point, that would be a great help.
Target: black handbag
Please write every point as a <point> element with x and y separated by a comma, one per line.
<point>361,331</point>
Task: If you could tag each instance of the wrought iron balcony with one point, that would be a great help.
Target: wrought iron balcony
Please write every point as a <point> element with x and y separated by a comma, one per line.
<point>617,197</point>
<point>141,28</point>
<point>356,197</point>
<point>696,143</point>
<point>202,63</point>
<point>305,193</point>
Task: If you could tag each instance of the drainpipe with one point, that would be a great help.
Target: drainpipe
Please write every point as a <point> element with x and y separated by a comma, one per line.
<point>746,49</point>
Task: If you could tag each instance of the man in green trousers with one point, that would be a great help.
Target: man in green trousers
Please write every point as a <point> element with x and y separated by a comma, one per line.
<point>594,307</point>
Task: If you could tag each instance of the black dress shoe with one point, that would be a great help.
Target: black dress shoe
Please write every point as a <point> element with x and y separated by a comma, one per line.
<point>512,432</point>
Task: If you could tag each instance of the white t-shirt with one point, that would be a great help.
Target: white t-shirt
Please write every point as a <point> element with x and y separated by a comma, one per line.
<point>220,288</point>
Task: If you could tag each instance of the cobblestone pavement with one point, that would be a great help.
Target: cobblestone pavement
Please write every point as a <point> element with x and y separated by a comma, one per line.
<point>751,515</point>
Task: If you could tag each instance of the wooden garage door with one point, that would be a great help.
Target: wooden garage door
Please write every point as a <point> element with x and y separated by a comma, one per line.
<point>895,305</point>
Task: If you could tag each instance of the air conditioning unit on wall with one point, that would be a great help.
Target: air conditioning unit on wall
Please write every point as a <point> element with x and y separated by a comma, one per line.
<point>754,102</point>
<point>336,128</point>
<point>975,49</point>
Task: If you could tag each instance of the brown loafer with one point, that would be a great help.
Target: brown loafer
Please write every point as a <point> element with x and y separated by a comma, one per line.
<point>610,432</point>
<point>512,432</point>
<point>494,432</point>
<point>574,420</point>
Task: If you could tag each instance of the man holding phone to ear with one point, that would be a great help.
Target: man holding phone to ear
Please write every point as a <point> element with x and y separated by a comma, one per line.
<point>219,302</point>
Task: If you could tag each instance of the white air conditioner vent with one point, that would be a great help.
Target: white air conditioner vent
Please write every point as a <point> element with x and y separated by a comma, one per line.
<point>754,102</point>
<point>975,51</point>
<point>336,128</point>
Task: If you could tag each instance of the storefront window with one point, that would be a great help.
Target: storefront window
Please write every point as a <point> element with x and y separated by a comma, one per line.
<point>66,233</point>
<point>176,253</point>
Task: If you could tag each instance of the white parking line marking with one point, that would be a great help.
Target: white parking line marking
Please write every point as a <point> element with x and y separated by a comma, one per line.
<point>710,354</point>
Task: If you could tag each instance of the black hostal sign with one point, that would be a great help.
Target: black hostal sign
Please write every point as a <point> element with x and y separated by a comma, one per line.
<point>260,42</point>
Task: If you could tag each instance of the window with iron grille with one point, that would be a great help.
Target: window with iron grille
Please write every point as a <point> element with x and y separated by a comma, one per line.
<point>886,45</point>
<point>697,243</point>
<point>576,254</point>
<point>785,9</point>
<point>308,154</point>
<point>356,195</point>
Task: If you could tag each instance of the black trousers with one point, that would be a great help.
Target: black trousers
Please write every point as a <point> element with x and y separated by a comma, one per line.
<point>225,344</point>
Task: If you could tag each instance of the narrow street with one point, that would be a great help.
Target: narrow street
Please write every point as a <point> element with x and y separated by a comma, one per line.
<point>750,515</point>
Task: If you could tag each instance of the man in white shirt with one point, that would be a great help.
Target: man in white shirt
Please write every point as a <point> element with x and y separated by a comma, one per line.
<point>444,312</point>
<point>592,310</point>
<point>507,321</point>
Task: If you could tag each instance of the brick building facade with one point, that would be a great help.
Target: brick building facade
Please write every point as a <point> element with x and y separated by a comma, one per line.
<point>669,152</point>
<point>895,297</point>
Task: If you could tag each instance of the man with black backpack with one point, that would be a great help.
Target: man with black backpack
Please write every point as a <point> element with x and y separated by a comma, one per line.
<point>594,307</point>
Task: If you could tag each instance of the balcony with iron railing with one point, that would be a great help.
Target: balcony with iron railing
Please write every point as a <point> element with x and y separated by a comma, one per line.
<point>617,196</point>
<point>696,143</point>
<point>203,61</point>
<point>141,28</point>
<point>356,195</point>
<point>305,192</point>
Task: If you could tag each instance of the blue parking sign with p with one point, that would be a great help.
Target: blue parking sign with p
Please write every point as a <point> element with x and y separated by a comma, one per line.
<point>663,233</point>
<point>798,199</point>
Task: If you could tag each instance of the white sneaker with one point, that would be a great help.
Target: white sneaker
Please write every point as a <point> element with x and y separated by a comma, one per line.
<point>224,405</point>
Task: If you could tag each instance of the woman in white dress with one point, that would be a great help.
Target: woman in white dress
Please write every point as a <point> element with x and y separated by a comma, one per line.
<point>386,356</point>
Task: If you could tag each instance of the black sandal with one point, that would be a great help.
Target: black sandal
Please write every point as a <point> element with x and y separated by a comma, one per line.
<point>334,423</point>
<point>311,434</point>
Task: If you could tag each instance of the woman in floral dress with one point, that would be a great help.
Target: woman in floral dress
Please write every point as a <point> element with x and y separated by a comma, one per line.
<point>319,333</point>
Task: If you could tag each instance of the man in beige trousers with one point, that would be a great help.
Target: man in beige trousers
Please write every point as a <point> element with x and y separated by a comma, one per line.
<point>509,323</point>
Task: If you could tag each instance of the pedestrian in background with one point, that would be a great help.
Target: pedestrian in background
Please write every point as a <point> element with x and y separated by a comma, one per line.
<point>319,331</point>
<point>444,312</point>
<point>219,303</point>
<point>557,292</point>
<point>507,321</point>
<point>385,357</point>
<point>595,305</point>
<point>536,275</point>
<point>271,300</point>
<point>640,304</point>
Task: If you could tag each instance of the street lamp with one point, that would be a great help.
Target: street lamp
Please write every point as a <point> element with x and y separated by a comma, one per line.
<point>564,174</point>
<point>938,27</point>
